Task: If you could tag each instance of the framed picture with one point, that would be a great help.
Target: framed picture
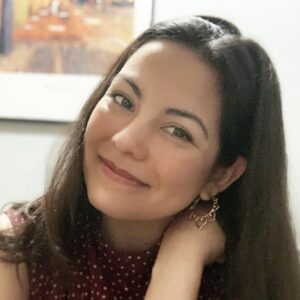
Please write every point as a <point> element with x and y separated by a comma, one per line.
<point>54,52</point>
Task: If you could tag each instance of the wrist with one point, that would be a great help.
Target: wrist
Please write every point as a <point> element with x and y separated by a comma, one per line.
<point>175,277</point>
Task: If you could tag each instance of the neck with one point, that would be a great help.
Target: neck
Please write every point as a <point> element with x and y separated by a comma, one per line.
<point>135,236</point>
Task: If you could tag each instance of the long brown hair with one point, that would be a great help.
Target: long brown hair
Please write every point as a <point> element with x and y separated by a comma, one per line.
<point>261,256</point>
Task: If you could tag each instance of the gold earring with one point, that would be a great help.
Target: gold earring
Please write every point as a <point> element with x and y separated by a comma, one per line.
<point>201,221</point>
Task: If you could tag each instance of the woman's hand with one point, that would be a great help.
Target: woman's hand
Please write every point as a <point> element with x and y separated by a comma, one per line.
<point>183,233</point>
<point>183,253</point>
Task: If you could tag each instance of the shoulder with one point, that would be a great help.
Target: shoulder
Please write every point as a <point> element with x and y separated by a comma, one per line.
<point>13,279</point>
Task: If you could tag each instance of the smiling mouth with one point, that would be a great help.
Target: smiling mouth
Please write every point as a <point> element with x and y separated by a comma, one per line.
<point>119,175</point>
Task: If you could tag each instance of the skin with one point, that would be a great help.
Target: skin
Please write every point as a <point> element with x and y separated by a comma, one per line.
<point>172,154</point>
<point>176,275</point>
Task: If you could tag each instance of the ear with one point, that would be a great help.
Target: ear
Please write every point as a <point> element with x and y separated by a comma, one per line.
<point>222,177</point>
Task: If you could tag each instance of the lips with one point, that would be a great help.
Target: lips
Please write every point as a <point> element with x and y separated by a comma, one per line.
<point>121,172</point>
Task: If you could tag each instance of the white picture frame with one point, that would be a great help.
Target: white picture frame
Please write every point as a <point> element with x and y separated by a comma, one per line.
<point>55,97</point>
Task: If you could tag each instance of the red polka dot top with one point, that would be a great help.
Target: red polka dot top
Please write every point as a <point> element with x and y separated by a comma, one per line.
<point>101,272</point>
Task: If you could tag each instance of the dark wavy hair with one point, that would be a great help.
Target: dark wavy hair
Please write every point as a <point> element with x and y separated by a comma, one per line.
<point>261,256</point>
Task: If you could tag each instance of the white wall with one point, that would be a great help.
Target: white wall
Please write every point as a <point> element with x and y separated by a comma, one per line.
<point>28,151</point>
<point>275,25</point>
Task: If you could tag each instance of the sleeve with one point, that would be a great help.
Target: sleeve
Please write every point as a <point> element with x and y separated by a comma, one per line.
<point>213,282</point>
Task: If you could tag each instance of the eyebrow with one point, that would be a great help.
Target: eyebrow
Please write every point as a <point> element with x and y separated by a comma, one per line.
<point>132,84</point>
<point>189,115</point>
<point>168,111</point>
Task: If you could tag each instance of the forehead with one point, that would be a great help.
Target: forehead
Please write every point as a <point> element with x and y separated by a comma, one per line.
<point>164,64</point>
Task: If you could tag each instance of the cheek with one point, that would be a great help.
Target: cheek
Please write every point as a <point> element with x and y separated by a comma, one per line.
<point>182,176</point>
<point>97,130</point>
<point>186,173</point>
<point>100,125</point>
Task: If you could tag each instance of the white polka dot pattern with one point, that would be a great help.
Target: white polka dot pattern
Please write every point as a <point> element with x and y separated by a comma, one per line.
<point>101,272</point>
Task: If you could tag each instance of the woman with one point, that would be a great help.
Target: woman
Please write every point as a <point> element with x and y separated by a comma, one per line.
<point>185,128</point>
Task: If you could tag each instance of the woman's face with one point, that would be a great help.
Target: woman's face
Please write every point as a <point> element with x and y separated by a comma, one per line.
<point>152,140</point>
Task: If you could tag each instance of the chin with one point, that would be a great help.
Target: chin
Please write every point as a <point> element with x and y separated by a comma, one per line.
<point>112,207</point>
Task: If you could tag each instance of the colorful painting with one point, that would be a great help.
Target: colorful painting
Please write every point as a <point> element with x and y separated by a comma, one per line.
<point>63,36</point>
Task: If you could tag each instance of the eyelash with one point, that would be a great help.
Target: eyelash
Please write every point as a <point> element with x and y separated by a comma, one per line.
<point>114,97</point>
<point>184,135</point>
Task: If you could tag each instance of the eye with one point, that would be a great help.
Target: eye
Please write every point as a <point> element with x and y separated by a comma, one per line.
<point>122,101</point>
<point>180,133</point>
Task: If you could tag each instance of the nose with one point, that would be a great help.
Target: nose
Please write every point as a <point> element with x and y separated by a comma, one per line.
<point>131,140</point>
